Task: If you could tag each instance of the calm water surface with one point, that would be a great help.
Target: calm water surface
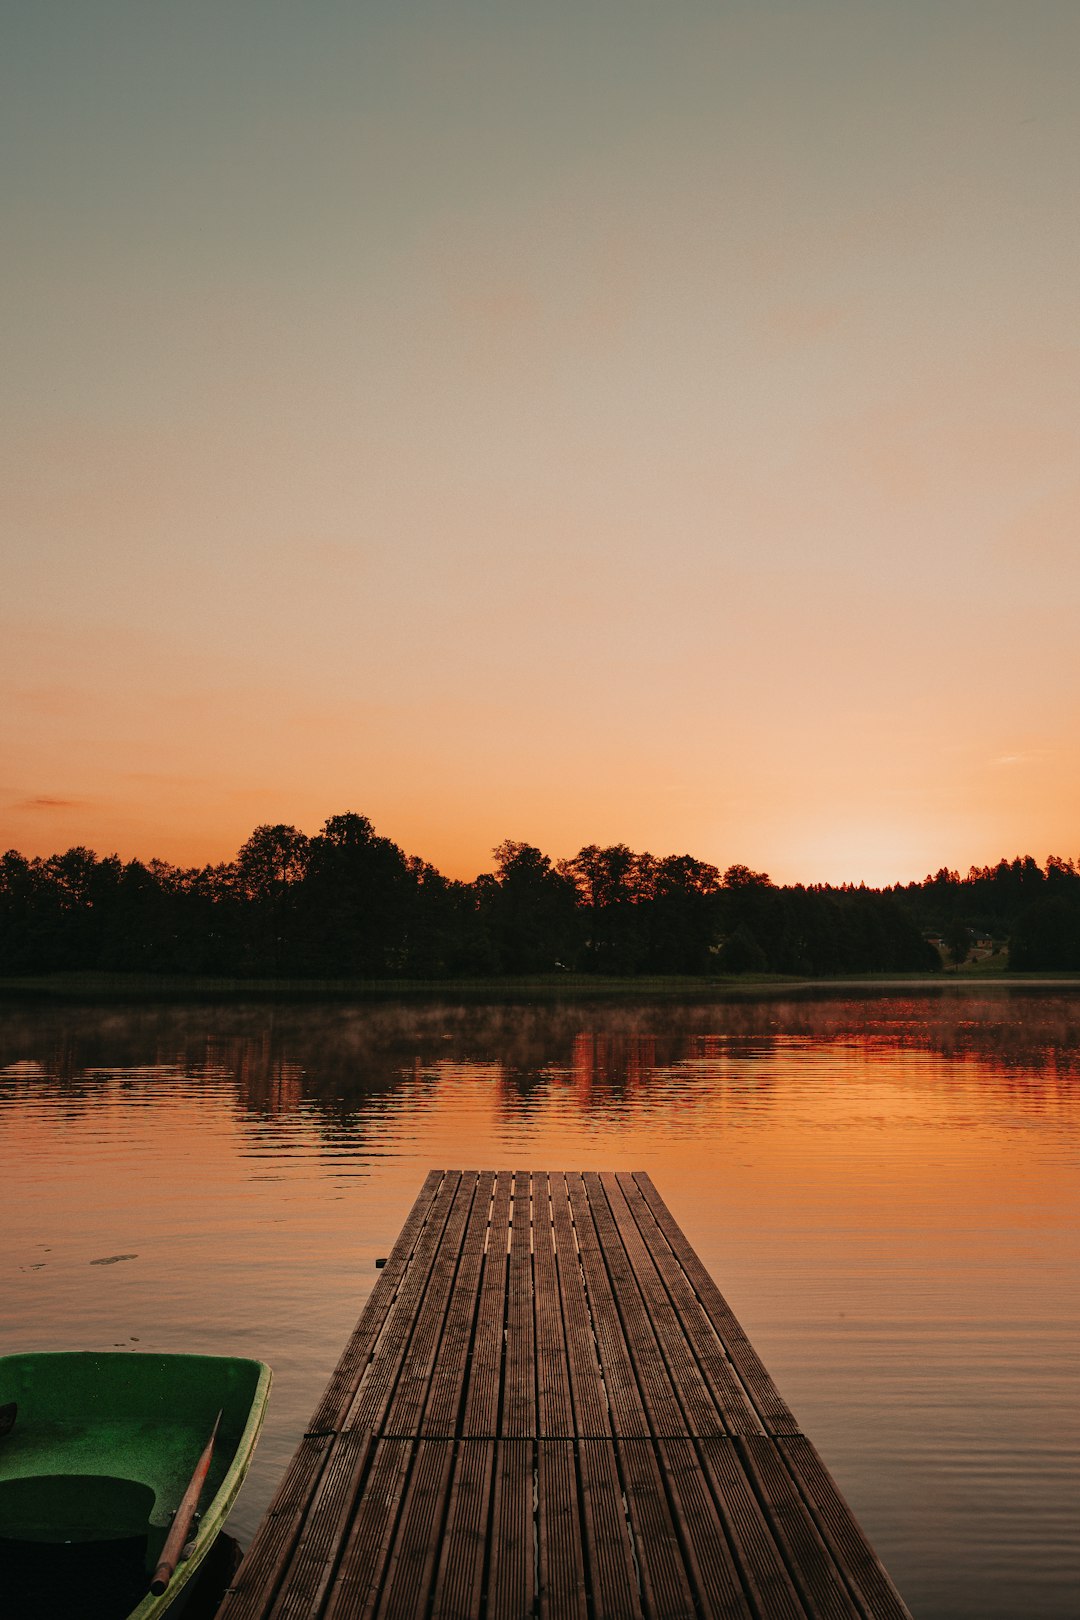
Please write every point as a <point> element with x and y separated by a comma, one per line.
<point>885,1187</point>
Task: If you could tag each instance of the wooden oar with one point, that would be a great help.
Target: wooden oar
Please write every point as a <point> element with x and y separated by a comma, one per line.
<point>176,1540</point>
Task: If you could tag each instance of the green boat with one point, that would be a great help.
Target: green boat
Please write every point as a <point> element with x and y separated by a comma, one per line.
<point>100,1459</point>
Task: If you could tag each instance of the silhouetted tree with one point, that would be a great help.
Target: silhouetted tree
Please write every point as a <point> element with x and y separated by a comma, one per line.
<point>270,868</point>
<point>608,884</point>
<point>957,938</point>
<point>1046,937</point>
<point>741,953</point>
<point>742,877</point>
<point>681,917</point>
<point>532,911</point>
<point>355,900</point>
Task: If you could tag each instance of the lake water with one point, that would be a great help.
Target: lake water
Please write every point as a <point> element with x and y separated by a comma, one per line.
<point>885,1186</point>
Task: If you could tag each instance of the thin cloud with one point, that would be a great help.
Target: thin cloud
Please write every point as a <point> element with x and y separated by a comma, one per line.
<point>1026,758</point>
<point>45,802</point>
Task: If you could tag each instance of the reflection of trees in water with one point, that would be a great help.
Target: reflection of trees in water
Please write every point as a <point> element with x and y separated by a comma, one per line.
<point>1011,1031</point>
<point>345,1064</point>
<point>612,1064</point>
<point>599,1068</point>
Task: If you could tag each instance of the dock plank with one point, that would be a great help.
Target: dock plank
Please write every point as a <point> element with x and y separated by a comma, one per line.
<point>256,1583</point>
<point>358,1579</point>
<point>449,1374</point>
<point>708,1553</point>
<point>625,1406</point>
<point>824,1591</point>
<point>674,1392</point>
<point>518,1417</point>
<point>555,1414</point>
<point>560,1547</point>
<point>481,1406</point>
<point>614,1583</point>
<point>405,1406</point>
<point>727,1391</point>
<point>775,1414</point>
<point>511,1577</point>
<point>841,1530</point>
<point>766,1577</point>
<point>459,1581</point>
<point>379,1377</point>
<point>589,1396</point>
<point>329,1413</point>
<point>548,1411</point>
<point>666,1585</point>
<point>314,1560</point>
<point>411,1567</point>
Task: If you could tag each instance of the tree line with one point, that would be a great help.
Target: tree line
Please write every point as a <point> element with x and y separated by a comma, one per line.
<point>348,903</point>
<point>1033,909</point>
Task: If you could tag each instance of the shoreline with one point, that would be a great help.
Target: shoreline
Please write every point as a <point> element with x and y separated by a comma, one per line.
<point>89,986</point>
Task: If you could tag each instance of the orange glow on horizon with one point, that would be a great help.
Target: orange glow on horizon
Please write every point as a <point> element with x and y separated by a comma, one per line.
<point>832,851</point>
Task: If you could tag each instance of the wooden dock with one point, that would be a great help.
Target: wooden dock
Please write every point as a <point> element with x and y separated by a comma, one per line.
<point>547,1408</point>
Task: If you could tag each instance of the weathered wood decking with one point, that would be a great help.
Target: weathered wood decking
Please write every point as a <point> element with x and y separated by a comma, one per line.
<point>547,1408</point>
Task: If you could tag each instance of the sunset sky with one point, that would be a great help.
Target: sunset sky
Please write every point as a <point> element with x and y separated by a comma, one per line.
<point>571,423</point>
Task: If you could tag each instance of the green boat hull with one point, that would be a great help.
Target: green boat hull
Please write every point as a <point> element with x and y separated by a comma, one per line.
<point>101,1450</point>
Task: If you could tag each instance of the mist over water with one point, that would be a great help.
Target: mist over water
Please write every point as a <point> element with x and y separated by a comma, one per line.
<point>884,1186</point>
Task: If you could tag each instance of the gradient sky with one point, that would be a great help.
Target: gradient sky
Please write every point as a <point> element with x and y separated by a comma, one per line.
<point>574,423</point>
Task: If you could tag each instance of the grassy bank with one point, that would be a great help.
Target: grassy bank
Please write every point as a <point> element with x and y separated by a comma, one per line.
<point>149,987</point>
<point>575,986</point>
